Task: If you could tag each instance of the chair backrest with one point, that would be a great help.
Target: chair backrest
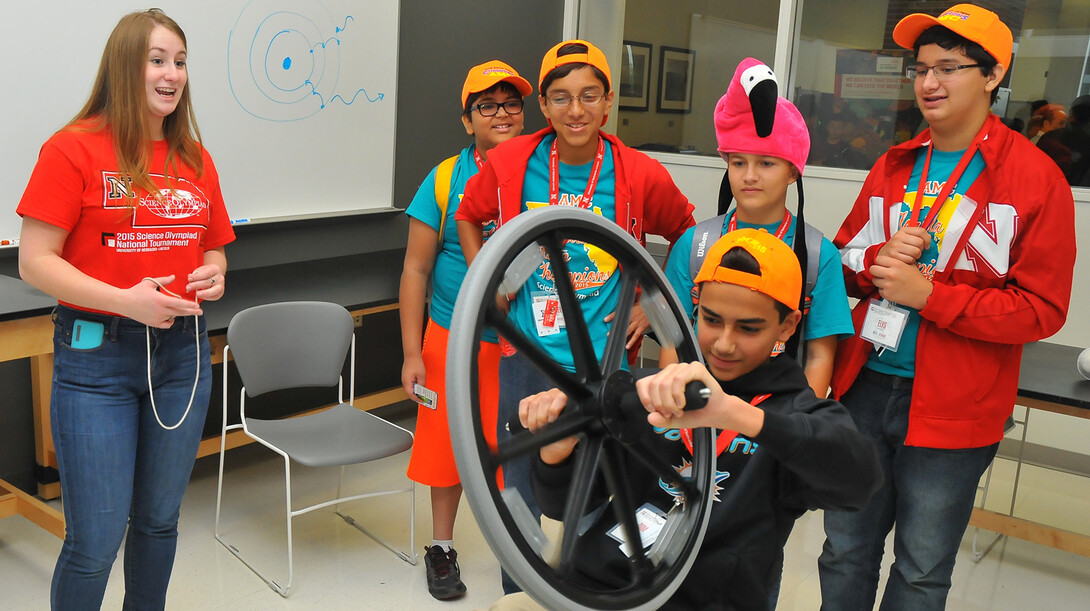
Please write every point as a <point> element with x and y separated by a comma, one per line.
<point>291,344</point>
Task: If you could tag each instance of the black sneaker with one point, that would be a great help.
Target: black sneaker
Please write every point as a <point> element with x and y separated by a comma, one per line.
<point>444,577</point>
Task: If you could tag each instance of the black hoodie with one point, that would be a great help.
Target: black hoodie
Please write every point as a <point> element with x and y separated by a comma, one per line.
<point>808,455</point>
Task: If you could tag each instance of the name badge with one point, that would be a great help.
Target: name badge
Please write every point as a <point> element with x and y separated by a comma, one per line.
<point>884,324</point>
<point>650,522</point>
<point>548,316</point>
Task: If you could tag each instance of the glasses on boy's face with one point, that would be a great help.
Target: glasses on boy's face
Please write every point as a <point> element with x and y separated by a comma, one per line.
<point>489,109</point>
<point>587,98</point>
<point>942,72</point>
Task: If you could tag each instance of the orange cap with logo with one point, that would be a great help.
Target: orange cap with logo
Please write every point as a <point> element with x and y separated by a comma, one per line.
<point>781,276</point>
<point>593,56</point>
<point>967,20</point>
<point>483,76</point>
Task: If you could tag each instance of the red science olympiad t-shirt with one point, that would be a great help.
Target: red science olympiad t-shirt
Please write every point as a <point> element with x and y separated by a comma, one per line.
<point>76,186</point>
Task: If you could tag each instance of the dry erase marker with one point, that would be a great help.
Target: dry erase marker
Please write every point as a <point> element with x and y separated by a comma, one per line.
<point>240,221</point>
<point>11,242</point>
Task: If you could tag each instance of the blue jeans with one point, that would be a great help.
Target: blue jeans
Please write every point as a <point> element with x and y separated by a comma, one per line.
<point>119,469</point>
<point>929,494</point>
<point>519,378</point>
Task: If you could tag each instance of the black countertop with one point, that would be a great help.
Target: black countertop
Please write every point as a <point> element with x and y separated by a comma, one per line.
<point>1049,374</point>
<point>354,281</point>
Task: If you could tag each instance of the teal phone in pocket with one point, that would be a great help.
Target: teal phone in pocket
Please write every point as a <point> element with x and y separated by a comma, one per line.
<point>87,334</point>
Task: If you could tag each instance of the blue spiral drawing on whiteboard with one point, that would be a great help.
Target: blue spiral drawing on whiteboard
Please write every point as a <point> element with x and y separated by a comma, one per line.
<point>284,64</point>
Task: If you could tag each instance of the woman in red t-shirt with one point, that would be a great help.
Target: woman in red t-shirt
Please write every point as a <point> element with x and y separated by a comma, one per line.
<point>124,223</point>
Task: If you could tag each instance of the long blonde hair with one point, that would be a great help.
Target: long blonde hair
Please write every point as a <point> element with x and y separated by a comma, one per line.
<point>119,102</point>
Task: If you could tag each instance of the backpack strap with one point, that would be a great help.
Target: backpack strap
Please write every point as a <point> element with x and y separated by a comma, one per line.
<point>814,238</point>
<point>444,174</point>
<point>704,235</point>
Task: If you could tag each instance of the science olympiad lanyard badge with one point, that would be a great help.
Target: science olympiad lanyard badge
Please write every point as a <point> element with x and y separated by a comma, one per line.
<point>592,182</point>
<point>947,187</point>
<point>725,436</point>
<point>477,158</point>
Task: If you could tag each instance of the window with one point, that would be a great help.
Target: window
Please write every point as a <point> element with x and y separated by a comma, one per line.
<point>847,74</point>
<point>694,47</point>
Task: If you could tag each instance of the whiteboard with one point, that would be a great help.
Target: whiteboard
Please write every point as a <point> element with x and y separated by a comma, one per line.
<point>295,99</point>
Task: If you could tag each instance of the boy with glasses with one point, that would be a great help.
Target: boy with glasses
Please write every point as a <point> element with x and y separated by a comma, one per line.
<point>573,163</point>
<point>960,249</point>
<point>492,101</point>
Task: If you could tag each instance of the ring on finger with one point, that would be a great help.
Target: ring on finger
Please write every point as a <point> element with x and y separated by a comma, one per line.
<point>212,280</point>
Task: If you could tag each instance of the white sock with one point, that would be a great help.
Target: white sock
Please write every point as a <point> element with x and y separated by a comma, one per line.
<point>447,544</point>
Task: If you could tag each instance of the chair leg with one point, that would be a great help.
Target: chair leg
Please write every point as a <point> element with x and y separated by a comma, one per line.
<point>410,557</point>
<point>978,553</point>
<point>288,514</point>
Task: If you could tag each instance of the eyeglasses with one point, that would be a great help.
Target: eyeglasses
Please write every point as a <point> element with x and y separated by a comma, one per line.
<point>489,109</point>
<point>942,72</point>
<point>587,98</point>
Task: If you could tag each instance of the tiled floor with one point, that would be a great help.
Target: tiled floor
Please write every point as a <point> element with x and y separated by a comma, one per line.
<point>338,568</point>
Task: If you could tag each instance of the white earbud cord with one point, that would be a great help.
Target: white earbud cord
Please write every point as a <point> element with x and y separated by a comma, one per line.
<point>196,376</point>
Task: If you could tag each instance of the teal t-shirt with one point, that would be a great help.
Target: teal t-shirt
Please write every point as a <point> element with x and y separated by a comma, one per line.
<point>592,271</point>
<point>903,361</point>
<point>450,264</point>
<point>829,313</point>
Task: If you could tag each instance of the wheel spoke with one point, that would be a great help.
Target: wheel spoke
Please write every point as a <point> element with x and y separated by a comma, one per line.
<point>579,491</point>
<point>624,508</point>
<point>645,455</point>
<point>567,425</point>
<point>618,329</point>
<point>582,347</point>
<point>563,378</point>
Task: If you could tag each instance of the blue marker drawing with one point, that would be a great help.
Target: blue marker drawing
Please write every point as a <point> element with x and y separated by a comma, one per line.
<point>284,60</point>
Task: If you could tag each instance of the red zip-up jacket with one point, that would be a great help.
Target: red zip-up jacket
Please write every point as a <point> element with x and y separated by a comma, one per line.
<point>1002,280</point>
<point>647,200</point>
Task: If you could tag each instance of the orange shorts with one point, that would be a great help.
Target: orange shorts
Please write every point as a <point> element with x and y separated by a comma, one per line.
<point>432,460</point>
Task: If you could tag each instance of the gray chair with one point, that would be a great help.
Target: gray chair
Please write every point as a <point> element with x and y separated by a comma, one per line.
<point>303,344</point>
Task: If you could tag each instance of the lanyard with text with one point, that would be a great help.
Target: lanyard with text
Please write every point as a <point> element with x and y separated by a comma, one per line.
<point>477,157</point>
<point>947,187</point>
<point>725,436</point>
<point>592,182</point>
<point>780,231</point>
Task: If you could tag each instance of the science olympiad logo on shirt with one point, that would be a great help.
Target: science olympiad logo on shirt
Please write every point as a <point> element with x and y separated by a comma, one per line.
<point>178,202</point>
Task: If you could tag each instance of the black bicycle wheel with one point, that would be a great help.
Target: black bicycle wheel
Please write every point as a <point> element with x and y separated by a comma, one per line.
<point>599,411</point>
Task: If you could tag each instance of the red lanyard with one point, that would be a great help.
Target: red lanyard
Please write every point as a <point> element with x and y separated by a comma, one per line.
<point>477,157</point>
<point>592,182</point>
<point>947,187</point>
<point>780,231</point>
<point>725,436</point>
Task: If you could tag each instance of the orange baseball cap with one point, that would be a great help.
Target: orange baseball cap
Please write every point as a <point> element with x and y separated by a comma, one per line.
<point>781,275</point>
<point>968,20</point>
<point>483,76</point>
<point>593,56</point>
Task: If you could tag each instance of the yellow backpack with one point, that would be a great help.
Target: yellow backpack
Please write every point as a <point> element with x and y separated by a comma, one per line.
<point>444,173</point>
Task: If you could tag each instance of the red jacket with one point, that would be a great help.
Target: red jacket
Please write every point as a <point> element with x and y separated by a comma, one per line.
<point>1002,284</point>
<point>496,191</point>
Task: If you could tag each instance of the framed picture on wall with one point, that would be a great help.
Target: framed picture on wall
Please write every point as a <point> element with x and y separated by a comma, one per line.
<point>634,92</point>
<point>675,79</point>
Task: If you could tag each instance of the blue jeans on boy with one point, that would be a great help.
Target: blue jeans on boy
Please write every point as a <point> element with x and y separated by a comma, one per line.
<point>519,378</point>
<point>119,469</point>
<point>928,493</point>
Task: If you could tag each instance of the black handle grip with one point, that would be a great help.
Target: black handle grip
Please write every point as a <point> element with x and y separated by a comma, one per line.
<point>696,397</point>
